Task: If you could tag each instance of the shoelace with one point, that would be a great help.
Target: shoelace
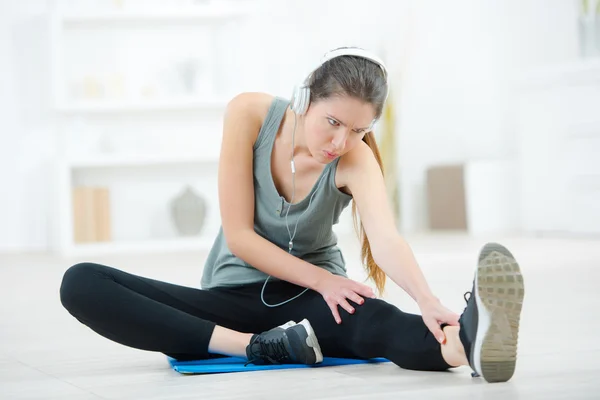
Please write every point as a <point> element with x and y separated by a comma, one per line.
<point>465,296</point>
<point>273,350</point>
<point>466,301</point>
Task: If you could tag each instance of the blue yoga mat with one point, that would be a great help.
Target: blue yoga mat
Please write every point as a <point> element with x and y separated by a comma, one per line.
<point>236,364</point>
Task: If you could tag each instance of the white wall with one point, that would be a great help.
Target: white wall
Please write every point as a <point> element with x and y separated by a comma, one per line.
<point>457,94</point>
<point>285,39</point>
<point>26,144</point>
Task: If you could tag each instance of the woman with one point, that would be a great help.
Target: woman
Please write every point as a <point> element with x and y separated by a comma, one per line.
<point>287,170</point>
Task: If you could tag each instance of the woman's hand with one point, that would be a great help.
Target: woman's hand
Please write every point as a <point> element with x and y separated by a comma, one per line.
<point>337,290</point>
<point>434,314</point>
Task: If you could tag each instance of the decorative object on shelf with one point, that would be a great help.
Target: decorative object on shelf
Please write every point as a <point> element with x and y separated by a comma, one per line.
<point>184,77</point>
<point>188,72</point>
<point>92,88</point>
<point>188,210</point>
<point>589,28</point>
<point>91,214</point>
<point>95,86</point>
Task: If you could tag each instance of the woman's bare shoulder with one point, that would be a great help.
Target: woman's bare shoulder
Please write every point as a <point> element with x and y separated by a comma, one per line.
<point>253,105</point>
<point>353,165</point>
<point>244,115</point>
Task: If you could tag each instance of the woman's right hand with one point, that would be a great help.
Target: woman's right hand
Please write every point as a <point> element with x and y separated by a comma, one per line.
<point>337,290</point>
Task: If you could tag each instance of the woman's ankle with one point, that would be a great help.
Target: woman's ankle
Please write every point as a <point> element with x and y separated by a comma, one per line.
<point>228,342</point>
<point>452,349</point>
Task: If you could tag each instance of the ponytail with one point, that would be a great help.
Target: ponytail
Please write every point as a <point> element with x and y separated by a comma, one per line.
<point>374,271</point>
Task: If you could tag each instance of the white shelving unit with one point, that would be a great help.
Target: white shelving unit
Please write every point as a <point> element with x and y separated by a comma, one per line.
<point>145,160</point>
<point>66,24</point>
<point>147,105</point>
<point>66,170</point>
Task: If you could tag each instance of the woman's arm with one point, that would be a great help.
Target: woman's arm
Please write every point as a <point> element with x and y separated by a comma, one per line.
<point>363,178</point>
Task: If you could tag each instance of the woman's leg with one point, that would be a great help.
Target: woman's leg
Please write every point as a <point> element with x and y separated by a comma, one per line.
<point>149,314</point>
<point>182,322</point>
<point>376,329</point>
<point>486,338</point>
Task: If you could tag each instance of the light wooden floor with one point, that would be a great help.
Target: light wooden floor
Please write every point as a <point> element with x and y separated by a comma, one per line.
<point>47,354</point>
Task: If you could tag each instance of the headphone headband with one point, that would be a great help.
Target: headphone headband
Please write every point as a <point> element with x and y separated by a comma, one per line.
<point>350,51</point>
<point>301,96</point>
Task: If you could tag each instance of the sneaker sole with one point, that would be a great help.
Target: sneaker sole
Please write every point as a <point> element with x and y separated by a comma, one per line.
<point>499,296</point>
<point>311,340</point>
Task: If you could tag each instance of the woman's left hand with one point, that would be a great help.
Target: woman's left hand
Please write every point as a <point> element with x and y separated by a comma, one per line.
<point>434,314</point>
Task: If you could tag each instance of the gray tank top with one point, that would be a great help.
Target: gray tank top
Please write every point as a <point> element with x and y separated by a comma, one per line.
<point>315,241</point>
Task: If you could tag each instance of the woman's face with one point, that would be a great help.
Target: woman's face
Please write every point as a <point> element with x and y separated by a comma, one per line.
<point>334,126</point>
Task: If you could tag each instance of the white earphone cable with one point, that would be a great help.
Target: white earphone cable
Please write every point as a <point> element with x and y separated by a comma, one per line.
<point>291,242</point>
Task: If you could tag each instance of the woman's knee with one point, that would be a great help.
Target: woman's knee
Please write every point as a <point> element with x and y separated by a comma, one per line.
<point>373,314</point>
<point>75,283</point>
<point>377,323</point>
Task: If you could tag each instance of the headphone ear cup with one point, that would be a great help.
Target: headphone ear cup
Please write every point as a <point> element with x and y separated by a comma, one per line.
<point>295,99</point>
<point>300,99</point>
<point>303,100</point>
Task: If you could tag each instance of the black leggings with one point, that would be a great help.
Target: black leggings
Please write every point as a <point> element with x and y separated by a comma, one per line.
<point>178,321</point>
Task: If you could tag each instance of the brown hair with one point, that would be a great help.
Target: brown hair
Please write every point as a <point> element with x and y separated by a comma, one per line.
<point>363,79</point>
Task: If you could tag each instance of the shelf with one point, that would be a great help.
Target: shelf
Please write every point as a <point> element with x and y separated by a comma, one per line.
<point>209,13</point>
<point>122,26</point>
<point>122,160</point>
<point>118,106</point>
<point>202,243</point>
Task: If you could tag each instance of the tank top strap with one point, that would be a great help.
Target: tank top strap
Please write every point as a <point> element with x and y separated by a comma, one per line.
<point>272,122</point>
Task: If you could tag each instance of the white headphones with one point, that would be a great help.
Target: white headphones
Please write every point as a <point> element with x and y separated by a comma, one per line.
<point>301,95</point>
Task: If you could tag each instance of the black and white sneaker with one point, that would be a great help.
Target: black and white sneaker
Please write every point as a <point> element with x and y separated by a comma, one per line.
<point>489,325</point>
<point>291,343</point>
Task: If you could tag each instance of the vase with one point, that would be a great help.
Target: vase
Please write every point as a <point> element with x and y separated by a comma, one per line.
<point>188,211</point>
